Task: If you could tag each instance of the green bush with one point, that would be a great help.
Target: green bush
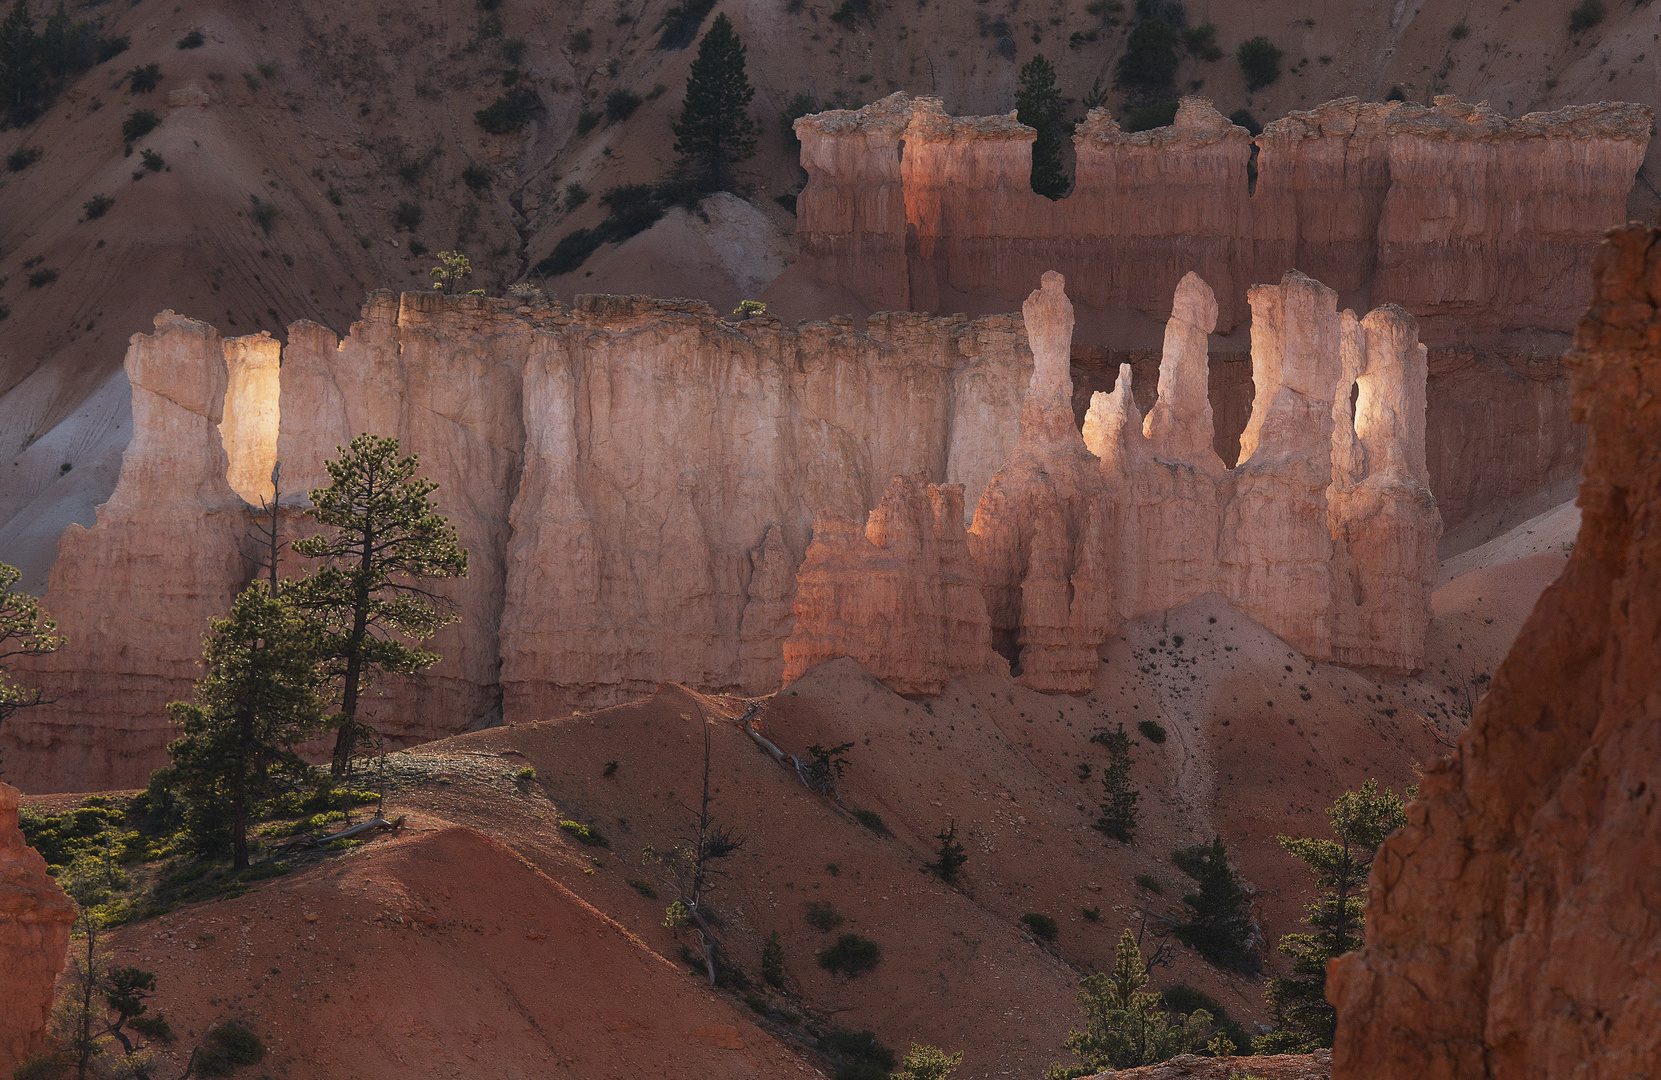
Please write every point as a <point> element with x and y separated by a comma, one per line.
<point>1460,32</point>
<point>643,887</point>
<point>588,120</point>
<point>265,212</point>
<point>852,11</point>
<point>1202,42</point>
<point>1585,15</point>
<point>1042,926</point>
<point>527,774</point>
<point>42,278</point>
<point>588,834</point>
<point>408,215</point>
<point>621,104</point>
<point>858,1054</point>
<point>681,23</point>
<point>1260,60</point>
<point>1184,999</point>
<point>152,160</point>
<point>1154,114</point>
<point>477,178</point>
<point>871,820</point>
<point>508,113</point>
<point>513,49</point>
<point>582,40</point>
<point>1091,914</point>
<point>227,1047</point>
<point>22,158</point>
<point>1152,731</point>
<point>772,961</point>
<point>142,80</point>
<point>852,955</point>
<point>139,123</point>
<point>97,206</point>
<point>1149,64</point>
<point>192,40</point>
<point>822,917</point>
<point>1150,883</point>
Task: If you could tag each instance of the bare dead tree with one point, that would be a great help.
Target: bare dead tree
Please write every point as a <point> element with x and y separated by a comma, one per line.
<point>266,532</point>
<point>691,864</point>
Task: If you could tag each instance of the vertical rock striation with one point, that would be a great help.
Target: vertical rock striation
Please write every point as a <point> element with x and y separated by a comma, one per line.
<point>35,918</point>
<point>1512,926</point>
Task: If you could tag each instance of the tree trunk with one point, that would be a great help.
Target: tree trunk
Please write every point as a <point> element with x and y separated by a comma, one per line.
<point>346,739</point>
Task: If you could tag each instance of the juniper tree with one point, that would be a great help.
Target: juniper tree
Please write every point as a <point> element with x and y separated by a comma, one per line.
<point>715,131</point>
<point>257,702</point>
<point>1039,105</point>
<point>1119,798</point>
<point>384,542</point>
<point>1360,822</point>
<point>1124,1025</point>
<point>1219,922</point>
<point>25,630</point>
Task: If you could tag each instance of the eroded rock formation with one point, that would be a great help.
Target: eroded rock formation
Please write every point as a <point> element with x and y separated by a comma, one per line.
<point>35,918</point>
<point>1474,221</point>
<point>1512,925</point>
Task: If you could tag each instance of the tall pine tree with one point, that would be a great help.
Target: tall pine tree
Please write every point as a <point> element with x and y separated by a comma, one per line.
<point>1360,822</point>
<point>715,131</point>
<point>21,77</point>
<point>1219,926</point>
<point>1125,1025</point>
<point>1040,106</point>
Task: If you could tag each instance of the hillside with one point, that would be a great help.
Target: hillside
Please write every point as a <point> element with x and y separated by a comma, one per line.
<point>344,121</point>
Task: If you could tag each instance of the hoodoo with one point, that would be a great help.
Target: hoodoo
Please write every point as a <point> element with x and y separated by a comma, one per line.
<point>35,917</point>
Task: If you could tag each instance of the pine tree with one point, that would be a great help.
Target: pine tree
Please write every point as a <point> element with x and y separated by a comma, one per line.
<point>258,701</point>
<point>1119,798</point>
<point>1219,925</point>
<point>20,74</point>
<point>1360,821</point>
<point>715,131</point>
<point>1039,105</point>
<point>386,540</point>
<point>1124,1025</point>
<point>25,630</point>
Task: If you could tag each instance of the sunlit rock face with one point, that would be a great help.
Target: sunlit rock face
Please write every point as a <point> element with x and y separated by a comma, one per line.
<point>1511,926</point>
<point>1473,221</point>
<point>133,594</point>
<point>35,918</point>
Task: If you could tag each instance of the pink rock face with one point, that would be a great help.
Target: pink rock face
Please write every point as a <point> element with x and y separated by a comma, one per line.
<point>134,593</point>
<point>35,918</point>
<point>900,595</point>
<point>1511,926</point>
<point>1386,202</point>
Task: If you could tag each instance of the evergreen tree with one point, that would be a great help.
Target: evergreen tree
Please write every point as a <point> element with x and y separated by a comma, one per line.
<point>1124,1025</point>
<point>1360,822</point>
<point>65,46</point>
<point>386,541</point>
<point>1219,924</point>
<point>1039,105</point>
<point>715,131</point>
<point>25,630</point>
<point>20,75</point>
<point>1119,798</point>
<point>257,702</point>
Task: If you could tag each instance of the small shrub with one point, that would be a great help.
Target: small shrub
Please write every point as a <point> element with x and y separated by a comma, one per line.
<point>416,248</point>
<point>41,278</point>
<point>1043,927</point>
<point>1091,914</point>
<point>570,253</point>
<point>852,11</point>
<point>139,123</point>
<point>1202,42</point>
<point>536,294</point>
<point>1260,60</point>
<point>643,887</point>
<point>1149,63</point>
<point>772,962</point>
<point>142,80</point>
<point>1395,94</point>
<point>22,158</point>
<point>152,160</point>
<point>1245,119</point>
<point>582,40</point>
<point>621,104</point>
<point>192,40</point>
<point>508,113</point>
<point>871,820</point>
<point>926,1062</point>
<point>267,68</point>
<point>1152,731</point>
<point>97,206</point>
<point>858,1054</point>
<point>575,196</point>
<point>1154,114</point>
<point>681,22</point>
<point>513,49</point>
<point>1460,32</point>
<point>588,834</point>
<point>1585,15</point>
<point>1183,999</point>
<point>227,1047</point>
<point>588,120</point>
<point>1150,883</point>
<point>950,856</point>
<point>822,917</point>
<point>852,956</point>
<point>266,213</point>
<point>111,47</point>
<point>797,107</point>
<point>756,1002</point>
<point>477,178</point>
<point>527,774</point>
<point>408,215</point>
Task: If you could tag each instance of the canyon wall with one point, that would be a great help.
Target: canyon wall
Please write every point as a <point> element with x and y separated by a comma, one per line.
<point>1325,532</point>
<point>1512,926</point>
<point>35,919</point>
<point>638,484</point>
<point>1475,222</point>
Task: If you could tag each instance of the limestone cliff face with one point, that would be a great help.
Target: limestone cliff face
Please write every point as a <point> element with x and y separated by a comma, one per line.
<point>134,593</point>
<point>1511,925</point>
<point>1475,222</point>
<point>35,918</point>
<point>899,595</point>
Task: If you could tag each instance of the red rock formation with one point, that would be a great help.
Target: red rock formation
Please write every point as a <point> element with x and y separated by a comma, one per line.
<point>1511,926</point>
<point>1357,194</point>
<point>134,593</point>
<point>900,595</point>
<point>35,918</point>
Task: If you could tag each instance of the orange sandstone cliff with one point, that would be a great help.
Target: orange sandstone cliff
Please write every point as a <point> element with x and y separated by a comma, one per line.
<point>1513,926</point>
<point>35,918</point>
